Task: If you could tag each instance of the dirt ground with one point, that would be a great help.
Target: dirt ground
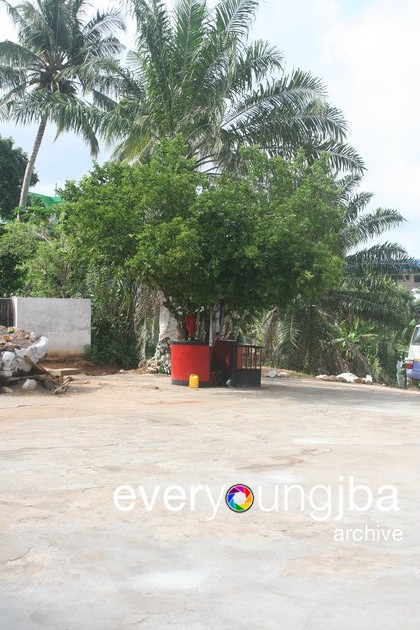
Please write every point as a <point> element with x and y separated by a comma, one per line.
<point>70,560</point>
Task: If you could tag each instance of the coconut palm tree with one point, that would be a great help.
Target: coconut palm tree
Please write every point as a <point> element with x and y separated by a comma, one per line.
<point>320,334</point>
<point>196,73</point>
<point>60,57</point>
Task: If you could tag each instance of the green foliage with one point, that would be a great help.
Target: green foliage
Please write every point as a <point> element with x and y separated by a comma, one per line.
<point>12,169</point>
<point>10,274</point>
<point>113,338</point>
<point>357,323</point>
<point>242,240</point>
<point>249,241</point>
<point>49,262</point>
<point>45,256</point>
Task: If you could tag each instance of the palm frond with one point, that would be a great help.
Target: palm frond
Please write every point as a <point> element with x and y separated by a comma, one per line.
<point>234,17</point>
<point>13,54</point>
<point>67,112</point>
<point>155,41</point>
<point>362,228</point>
<point>16,81</point>
<point>13,12</point>
<point>374,307</point>
<point>286,98</point>
<point>190,35</point>
<point>341,156</point>
<point>253,65</point>
<point>347,184</point>
<point>105,25</point>
<point>383,258</point>
<point>356,204</point>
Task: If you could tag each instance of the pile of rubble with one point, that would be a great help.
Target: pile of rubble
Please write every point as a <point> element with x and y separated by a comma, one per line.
<point>15,338</point>
<point>19,350</point>
<point>346,377</point>
<point>161,362</point>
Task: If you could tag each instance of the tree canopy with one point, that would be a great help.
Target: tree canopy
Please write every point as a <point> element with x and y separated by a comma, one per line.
<point>251,241</point>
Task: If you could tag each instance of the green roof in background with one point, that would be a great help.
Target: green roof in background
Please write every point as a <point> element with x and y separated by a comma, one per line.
<point>47,201</point>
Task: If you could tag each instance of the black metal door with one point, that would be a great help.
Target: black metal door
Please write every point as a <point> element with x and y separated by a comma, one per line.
<point>7,314</point>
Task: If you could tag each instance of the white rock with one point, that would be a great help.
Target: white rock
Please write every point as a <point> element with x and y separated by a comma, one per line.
<point>37,351</point>
<point>7,363</point>
<point>29,384</point>
<point>347,377</point>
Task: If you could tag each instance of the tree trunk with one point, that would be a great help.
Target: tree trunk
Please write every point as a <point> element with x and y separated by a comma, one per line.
<point>31,164</point>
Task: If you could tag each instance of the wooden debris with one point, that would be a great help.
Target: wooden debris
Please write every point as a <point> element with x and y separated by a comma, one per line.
<point>56,380</point>
<point>62,372</point>
<point>61,389</point>
<point>38,369</point>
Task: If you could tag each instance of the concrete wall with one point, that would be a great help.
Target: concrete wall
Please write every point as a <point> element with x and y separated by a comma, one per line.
<point>412,281</point>
<point>66,322</point>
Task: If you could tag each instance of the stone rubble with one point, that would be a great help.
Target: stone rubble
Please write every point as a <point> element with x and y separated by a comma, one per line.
<point>161,362</point>
<point>15,344</point>
<point>346,377</point>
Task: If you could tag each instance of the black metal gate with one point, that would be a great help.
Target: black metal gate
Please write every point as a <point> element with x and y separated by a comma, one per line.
<point>237,362</point>
<point>7,312</point>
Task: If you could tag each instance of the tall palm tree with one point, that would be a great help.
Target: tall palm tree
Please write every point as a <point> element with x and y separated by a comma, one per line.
<point>196,73</point>
<point>60,56</point>
<point>318,333</point>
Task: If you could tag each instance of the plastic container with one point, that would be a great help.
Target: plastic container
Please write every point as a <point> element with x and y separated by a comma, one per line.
<point>194,381</point>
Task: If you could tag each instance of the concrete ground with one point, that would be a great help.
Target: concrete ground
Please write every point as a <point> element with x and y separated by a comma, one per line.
<point>70,560</point>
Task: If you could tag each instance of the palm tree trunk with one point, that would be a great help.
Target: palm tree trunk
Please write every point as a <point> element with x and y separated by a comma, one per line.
<point>31,164</point>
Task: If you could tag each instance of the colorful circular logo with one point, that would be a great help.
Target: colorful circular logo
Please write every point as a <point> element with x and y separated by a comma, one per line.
<point>239,498</point>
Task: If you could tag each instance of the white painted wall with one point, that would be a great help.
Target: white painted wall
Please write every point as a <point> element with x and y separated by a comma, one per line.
<point>66,322</point>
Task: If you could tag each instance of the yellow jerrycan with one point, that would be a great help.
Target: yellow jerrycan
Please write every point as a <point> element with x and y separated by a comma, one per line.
<point>194,381</point>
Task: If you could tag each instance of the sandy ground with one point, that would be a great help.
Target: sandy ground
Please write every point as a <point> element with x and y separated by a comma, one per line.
<point>70,560</point>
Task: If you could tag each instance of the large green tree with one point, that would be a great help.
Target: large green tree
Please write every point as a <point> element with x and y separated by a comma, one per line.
<point>59,57</point>
<point>196,72</point>
<point>251,241</point>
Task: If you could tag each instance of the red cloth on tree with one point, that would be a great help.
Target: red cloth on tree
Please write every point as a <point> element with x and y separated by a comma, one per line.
<point>190,325</point>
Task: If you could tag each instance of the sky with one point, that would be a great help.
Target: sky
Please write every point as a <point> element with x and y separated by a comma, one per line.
<point>367,52</point>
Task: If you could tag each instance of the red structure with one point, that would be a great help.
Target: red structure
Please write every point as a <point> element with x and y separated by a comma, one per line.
<point>240,364</point>
<point>190,357</point>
